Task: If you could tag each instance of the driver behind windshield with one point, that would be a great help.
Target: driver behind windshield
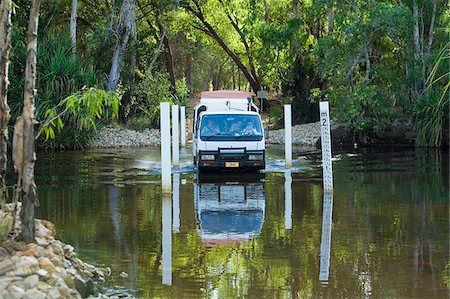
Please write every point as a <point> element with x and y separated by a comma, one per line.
<point>211,128</point>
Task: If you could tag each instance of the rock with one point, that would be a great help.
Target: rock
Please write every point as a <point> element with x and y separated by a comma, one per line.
<point>57,248</point>
<point>91,288</point>
<point>15,292</point>
<point>44,287</point>
<point>57,262</point>
<point>41,241</point>
<point>123,275</point>
<point>64,291</point>
<point>26,265</point>
<point>31,281</point>
<point>42,272</point>
<point>120,137</point>
<point>46,264</point>
<point>69,280</point>
<point>7,281</point>
<point>50,227</point>
<point>54,294</point>
<point>80,285</point>
<point>33,294</point>
<point>31,250</point>
<point>6,266</point>
<point>68,251</point>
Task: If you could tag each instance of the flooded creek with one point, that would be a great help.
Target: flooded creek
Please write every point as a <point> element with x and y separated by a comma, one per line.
<point>384,233</point>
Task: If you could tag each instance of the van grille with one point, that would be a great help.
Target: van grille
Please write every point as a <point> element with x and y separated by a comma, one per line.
<point>234,157</point>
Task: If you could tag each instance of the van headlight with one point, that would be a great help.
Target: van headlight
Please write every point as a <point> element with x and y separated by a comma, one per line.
<point>207,157</point>
<point>258,157</point>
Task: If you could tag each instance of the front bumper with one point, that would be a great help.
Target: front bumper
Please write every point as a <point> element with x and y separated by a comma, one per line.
<point>231,159</point>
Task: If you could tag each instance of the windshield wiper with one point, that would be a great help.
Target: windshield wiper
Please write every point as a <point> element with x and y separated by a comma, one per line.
<point>215,135</point>
<point>240,136</point>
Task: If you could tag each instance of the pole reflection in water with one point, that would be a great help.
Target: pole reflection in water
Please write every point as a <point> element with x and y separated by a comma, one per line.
<point>287,200</point>
<point>325,243</point>
<point>166,239</point>
<point>229,210</point>
<point>176,202</point>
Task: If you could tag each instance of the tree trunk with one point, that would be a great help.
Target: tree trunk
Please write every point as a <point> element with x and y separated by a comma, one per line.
<point>26,122</point>
<point>5,45</point>
<point>416,38</point>
<point>331,19</point>
<point>73,25</point>
<point>366,55</point>
<point>295,8</point>
<point>188,69</point>
<point>266,12</point>
<point>430,32</point>
<point>125,29</point>
<point>168,59</point>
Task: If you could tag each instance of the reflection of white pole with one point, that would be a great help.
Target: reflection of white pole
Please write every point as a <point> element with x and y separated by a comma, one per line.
<point>325,243</point>
<point>166,262</point>
<point>326,146</point>
<point>176,202</point>
<point>183,125</point>
<point>175,137</point>
<point>288,135</point>
<point>287,200</point>
<point>165,147</point>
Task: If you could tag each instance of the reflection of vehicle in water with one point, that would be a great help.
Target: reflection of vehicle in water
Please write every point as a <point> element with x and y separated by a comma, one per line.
<point>229,211</point>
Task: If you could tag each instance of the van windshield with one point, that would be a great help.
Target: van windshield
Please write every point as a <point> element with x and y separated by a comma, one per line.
<point>231,127</point>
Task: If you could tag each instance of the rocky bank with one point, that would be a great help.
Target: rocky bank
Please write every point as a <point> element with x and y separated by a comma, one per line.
<point>306,135</point>
<point>48,268</point>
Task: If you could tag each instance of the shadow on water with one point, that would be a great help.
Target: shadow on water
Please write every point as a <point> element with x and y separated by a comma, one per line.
<point>275,234</point>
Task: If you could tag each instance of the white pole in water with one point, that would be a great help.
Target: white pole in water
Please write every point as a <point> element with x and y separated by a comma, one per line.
<point>287,200</point>
<point>288,135</point>
<point>183,125</point>
<point>325,244</point>
<point>175,136</point>
<point>165,147</point>
<point>166,263</point>
<point>176,202</point>
<point>326,147</point>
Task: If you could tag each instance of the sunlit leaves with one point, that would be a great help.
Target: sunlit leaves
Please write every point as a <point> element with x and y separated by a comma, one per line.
<point>84,108</point>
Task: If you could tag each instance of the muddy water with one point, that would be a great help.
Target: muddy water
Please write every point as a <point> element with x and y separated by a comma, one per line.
<point>384,233</point>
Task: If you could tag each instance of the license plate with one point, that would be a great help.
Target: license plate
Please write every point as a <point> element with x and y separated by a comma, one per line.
<point>231,164</point>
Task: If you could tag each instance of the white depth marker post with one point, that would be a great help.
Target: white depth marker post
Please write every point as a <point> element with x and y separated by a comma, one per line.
<point>183,125</point>
<point>287,200</point>
<point>165,147</point>
<point>166,263</point>
<point>288,135</point>
<point>176,203</point>
<point>325,243</point>
<point>175,137</point>
<point>326,147</point>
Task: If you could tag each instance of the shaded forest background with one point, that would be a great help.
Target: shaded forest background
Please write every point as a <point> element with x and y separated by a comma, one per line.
<point>376,61</point>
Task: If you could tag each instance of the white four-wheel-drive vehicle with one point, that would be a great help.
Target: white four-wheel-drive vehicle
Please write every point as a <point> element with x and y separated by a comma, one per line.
<point>227,132</point>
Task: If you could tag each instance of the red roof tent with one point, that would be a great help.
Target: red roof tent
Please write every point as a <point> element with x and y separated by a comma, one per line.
<point>220,94</point>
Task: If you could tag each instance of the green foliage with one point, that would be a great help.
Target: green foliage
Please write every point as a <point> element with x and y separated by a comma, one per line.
<point>359,54</point>
<point>431,112</point>
<point>360,63</point>
<point>366,110</point>
<point>432,108</point>
<point>149,92</point>
<point>182,91</point>
<point>82,113</point>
